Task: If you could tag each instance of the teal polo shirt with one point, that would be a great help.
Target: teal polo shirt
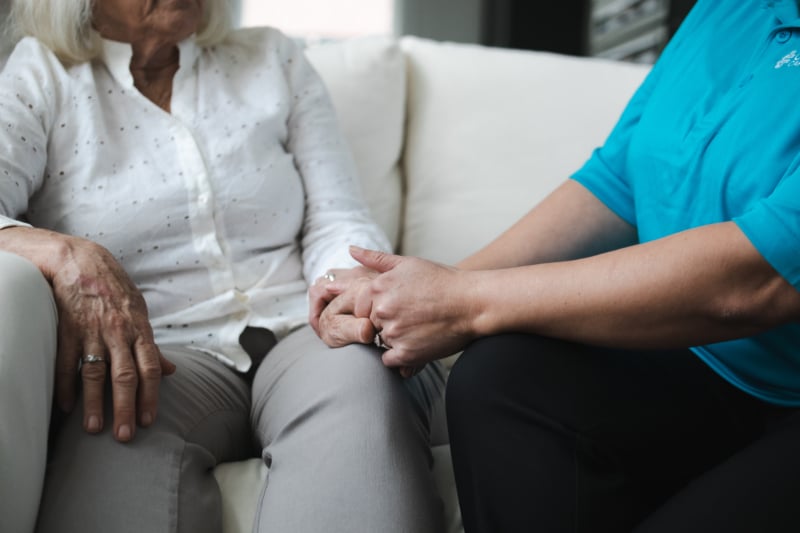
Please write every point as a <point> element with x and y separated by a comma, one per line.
<point>713,135</point>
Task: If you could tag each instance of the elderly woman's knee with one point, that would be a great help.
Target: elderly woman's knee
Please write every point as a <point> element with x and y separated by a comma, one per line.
<point>23,288</point>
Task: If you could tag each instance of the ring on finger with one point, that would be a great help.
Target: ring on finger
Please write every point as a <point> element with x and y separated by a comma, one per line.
<point>329,276</point>
<point>378,340</point>
<point>93,358</point>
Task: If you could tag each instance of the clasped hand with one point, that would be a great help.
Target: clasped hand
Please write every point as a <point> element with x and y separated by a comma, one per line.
<point>418,307</point>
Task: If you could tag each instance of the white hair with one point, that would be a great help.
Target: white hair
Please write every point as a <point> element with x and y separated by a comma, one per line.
<point>65,26</point>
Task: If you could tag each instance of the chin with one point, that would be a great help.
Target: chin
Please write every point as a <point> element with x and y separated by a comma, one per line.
<point>183,20</point>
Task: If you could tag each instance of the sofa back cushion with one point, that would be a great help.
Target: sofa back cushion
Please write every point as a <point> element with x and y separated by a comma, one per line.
<point>491,131</point>
<point>366,78</point>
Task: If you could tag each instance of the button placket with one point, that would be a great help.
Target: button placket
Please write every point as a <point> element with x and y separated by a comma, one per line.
<point>201,209</point>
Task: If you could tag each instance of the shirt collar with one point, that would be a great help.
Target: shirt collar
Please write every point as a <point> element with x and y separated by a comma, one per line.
<point>117,58</point>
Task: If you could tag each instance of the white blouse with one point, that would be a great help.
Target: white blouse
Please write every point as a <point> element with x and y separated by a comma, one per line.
<point>221,211</point>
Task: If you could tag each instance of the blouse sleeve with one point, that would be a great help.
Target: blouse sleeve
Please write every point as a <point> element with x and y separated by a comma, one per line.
<point>28,92</point>
<point>336,215</point>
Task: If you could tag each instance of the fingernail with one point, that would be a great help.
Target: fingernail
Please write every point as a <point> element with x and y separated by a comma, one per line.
<point>124,432</point>
<point>147,419</point>
<point>93,425</point>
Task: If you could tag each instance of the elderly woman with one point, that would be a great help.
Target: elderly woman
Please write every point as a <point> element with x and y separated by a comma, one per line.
<point>169,189</point>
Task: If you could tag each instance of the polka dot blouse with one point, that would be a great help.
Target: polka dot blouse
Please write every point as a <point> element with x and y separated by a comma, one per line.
<point>221,211</point>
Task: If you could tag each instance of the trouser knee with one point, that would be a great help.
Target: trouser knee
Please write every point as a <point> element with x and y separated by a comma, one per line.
<point>24,290</point>
<point>27,361</point>
<point>474,381</point>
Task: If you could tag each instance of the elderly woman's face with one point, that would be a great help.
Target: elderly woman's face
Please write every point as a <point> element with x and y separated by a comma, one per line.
<point>133,20</point>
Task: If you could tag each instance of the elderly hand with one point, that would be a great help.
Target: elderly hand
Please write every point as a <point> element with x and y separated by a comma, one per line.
<point>349,329</point>
<point>102,313</point>
<point>420,309</point>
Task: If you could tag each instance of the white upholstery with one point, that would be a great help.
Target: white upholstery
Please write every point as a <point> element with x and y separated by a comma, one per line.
<point>491,131</point>
<point>367,81</point>
<point>454,142</point>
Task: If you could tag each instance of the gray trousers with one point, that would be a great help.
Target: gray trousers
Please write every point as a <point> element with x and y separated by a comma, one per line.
<point>28,320</point>
<point>345,439</point>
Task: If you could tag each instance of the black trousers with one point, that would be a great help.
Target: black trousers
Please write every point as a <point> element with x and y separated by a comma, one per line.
<point>549,436</point>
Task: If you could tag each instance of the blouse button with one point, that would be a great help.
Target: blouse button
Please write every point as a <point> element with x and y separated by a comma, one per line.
<point>783,36</point>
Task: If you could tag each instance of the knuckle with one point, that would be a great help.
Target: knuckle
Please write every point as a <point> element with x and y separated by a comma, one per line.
<point>94,373</point>
<point>116,321</point>
<point>125,377</point>
<point>150,370</point>
<point>388,329</point>
<point>380,309</point>
<point>366,333</point>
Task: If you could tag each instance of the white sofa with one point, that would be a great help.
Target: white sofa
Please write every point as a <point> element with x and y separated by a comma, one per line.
<point>454,142</point>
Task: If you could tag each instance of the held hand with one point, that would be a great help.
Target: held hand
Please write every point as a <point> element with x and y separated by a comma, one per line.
<point>422,310</point>
<point>102,313</point>
<point>320,295</point>
<point>345,320</point>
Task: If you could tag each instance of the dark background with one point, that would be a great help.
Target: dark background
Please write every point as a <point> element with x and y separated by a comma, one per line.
<point>558,26</point>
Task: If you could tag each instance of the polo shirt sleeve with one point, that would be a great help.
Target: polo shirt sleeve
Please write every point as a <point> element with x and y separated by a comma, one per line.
<point>605,174</point>
<point>773,226</point>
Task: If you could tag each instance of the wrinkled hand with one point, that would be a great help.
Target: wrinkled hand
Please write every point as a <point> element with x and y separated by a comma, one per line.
<point>421,309</point>
<point>349,329</point>
<point>102,312</point>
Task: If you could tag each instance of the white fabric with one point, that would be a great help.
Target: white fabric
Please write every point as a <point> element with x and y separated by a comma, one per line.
<point>491,131</point>
<point>366,78</point>
<point>27,367</point>
<point>241,484</point>
<point>221,211</point>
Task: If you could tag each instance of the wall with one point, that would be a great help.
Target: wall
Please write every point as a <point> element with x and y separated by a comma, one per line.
<point>446,20</point>
<point>6,44</point>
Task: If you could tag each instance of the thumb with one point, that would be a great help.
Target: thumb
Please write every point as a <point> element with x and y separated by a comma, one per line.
<point>375,260</point>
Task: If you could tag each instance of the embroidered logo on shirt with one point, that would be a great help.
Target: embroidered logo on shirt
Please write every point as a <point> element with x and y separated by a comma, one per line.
<point>792,59</point>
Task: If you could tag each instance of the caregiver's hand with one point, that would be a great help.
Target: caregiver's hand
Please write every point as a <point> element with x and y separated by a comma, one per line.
<point>420,309</point>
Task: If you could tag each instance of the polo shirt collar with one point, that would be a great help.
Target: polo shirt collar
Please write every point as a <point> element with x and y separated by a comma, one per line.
<point>116,56</point>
